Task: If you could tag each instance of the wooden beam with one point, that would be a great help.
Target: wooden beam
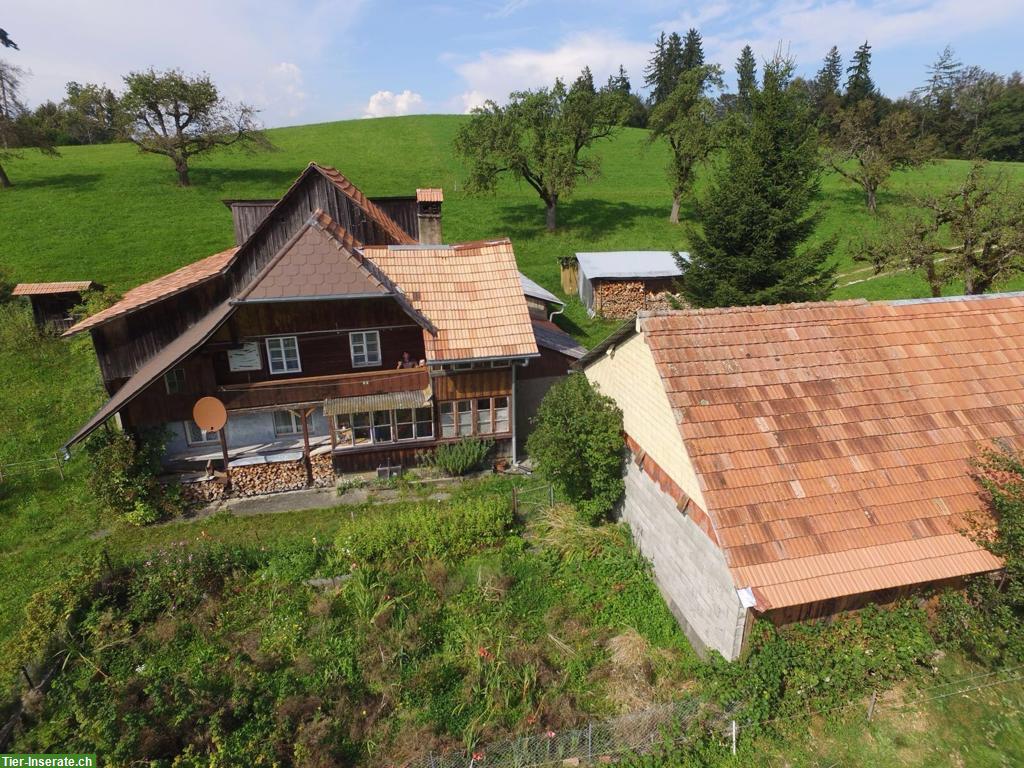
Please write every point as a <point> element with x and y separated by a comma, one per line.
<point>306,458</point>
<point>224,450</point>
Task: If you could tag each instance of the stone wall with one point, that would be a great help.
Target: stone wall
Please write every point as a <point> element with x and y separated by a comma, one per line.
<point>689,569</point>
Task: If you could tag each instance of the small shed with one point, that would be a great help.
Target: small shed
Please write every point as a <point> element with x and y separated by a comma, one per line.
<point>541,302</point>
<point>618,284</point>
<point>52,302</point>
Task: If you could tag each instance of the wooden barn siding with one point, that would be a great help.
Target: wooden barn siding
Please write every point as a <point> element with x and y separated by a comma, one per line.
<point>313,192</point>
<point>154,406</point>
<point>368,460</point>
<point>462,386</point>
<point>323,344</point>
<point>246,217</point>
<point>125,344</point>
<point>550,363</point>
<point>403,211</point>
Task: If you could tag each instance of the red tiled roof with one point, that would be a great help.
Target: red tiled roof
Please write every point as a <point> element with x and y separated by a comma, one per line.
<point>168,285</point>
<point>40,289</point>
<point>430,195</point>
<point>469,292</point>
<point>832,440</point>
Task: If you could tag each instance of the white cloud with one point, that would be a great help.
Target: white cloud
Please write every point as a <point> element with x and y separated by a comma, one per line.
<point>495,74</point>
<point>389,104</point>
<point>254,53</point>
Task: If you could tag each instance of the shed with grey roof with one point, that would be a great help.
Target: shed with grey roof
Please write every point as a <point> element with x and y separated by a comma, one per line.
<point>619,283</point>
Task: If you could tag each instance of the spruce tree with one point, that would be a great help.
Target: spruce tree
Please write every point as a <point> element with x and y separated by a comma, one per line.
<point>858,83</point>
<point>825,93</point>
<point>664,67</point>
<point>746,78</point>
<point>757,215</point>
<point>693,51</point>
<point>827,79</point>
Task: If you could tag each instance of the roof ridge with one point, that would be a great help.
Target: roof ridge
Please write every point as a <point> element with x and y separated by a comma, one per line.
<point>350,190</point>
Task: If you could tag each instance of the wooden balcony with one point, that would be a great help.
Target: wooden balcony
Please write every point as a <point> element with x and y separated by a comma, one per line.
<point>316,389</point>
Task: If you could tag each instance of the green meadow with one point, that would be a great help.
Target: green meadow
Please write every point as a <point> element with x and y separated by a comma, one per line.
<point>109,214</point>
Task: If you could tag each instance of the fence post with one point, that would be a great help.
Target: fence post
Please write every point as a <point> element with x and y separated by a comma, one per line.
<point>60,469</point>
<point>734,737</point>
<point>551,495</point>
<point>515,500</point>
<point>871,705</point>
<point>590,740</point>
<point>27,678</point>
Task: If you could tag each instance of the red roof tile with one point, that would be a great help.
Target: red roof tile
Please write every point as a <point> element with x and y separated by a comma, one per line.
<point>168,285</point>
<point>846,427</point>
<point>429,196</point>
<point>39,289</point>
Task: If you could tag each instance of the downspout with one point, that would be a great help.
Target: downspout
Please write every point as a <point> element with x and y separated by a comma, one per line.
<point>512,417</point>
<point>551,317</point>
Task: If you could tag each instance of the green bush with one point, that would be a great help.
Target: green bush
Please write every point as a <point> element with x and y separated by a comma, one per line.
<point>577,445</point>
<point>448,532</point>
<point>124,476</point>
<point>464,456</point>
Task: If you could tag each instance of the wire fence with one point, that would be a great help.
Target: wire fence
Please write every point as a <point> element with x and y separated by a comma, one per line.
<point>611,739</point>
<point>32,467</point>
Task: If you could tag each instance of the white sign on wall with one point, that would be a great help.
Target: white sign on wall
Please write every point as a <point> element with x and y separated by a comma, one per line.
<point>245,358</point>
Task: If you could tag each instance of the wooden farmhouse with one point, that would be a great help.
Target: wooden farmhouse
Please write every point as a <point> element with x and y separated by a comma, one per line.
<point>618,284</point>
<point>797,461</point>
<point>52,302</point>
<point>338,329</point>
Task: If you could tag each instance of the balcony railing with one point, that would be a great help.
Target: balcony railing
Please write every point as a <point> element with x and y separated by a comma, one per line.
<point>313,389</point>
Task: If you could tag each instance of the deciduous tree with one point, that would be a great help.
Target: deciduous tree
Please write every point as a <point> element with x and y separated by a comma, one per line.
<point>866,151</point>
<point>757,215</point>
<point>90,113</point>
<point>183,117</point>
<point>577,445</point>
<point>975,233</point>
<point>686,121</point>
<point>540,137</point>
<point>19,129</point>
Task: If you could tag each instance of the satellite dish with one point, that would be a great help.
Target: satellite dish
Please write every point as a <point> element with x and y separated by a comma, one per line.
<point>209,414</point>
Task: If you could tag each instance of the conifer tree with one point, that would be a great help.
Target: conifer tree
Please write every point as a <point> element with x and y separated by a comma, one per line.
<point>757,215</point>
<point>746,78</point>
<point>693,51</point>
<point>858,83</point>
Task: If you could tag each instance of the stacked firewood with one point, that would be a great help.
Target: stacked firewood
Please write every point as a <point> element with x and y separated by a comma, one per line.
<point>620,298</point>
<point>260,479</point>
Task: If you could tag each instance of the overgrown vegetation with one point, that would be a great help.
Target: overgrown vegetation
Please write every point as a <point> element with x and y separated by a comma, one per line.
<point>577,445</point>
<point>462,456</point>
<point>986,620</point>
<point>124,476</point>
<point>476,629</point>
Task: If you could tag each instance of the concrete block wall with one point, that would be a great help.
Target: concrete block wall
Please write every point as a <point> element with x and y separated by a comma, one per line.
<point>247,428</point>
<point>689,569</point>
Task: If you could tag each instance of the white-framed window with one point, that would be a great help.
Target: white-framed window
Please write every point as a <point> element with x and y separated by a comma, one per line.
<point>482,416</point>
<point>283,354</point>
<point>174,381</point>
<point>196,436</point>
<point>287,423</point>
<point>414,423</point>
<point>365,347</point>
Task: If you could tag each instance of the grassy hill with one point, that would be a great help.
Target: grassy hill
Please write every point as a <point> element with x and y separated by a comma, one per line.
<point>111,214</point>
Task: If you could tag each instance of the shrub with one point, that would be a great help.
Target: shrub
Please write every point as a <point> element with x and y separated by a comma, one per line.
<point>985,621</point>
<point>124,476</point>
<point>461,457</point>
<point>447,532</point>
<point>577,444</point>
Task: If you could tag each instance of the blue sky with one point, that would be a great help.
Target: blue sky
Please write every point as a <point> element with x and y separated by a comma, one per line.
<point>302,61</point>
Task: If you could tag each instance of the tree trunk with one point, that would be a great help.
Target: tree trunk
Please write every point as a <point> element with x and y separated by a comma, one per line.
<point>181,166</point>
<point>552,204</point>
<point>673,215</point>
<point>872,202</point>
<point>5,181</point>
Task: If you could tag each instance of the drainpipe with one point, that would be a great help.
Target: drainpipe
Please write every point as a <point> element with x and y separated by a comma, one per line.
<point>512,416</point>
<point>551,317</point>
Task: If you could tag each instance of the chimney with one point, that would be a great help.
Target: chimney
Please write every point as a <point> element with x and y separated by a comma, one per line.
<point>428,215</point>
